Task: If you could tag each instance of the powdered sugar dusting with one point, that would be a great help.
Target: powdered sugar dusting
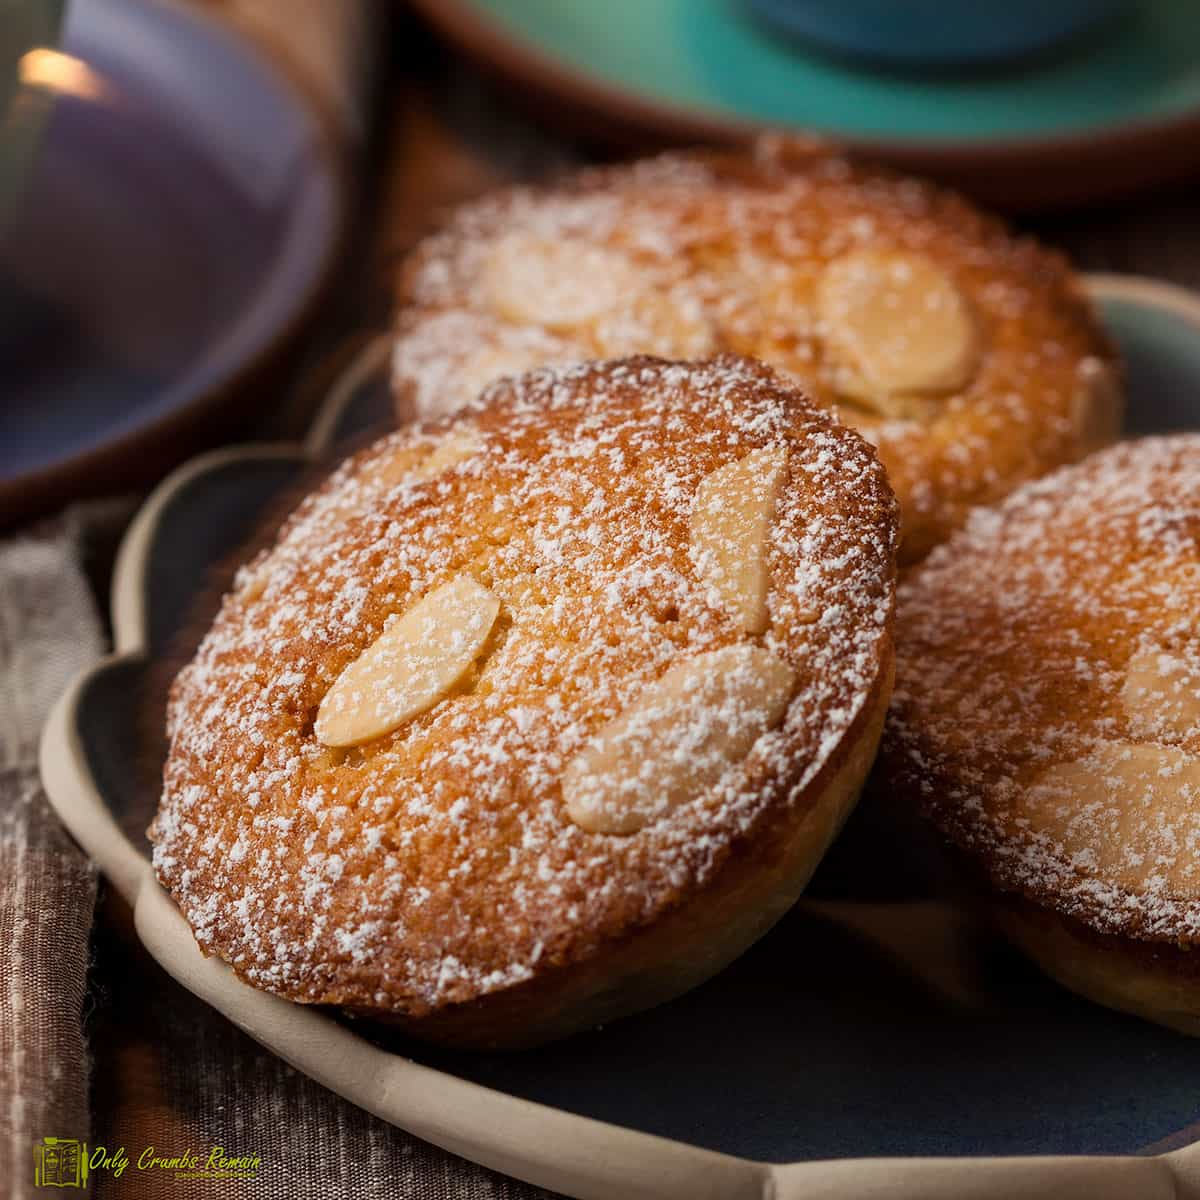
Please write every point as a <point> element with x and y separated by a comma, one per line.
<point>685,256</point>
<point>1041,710</point>
<point>438,863</point>
<point>685,731</point>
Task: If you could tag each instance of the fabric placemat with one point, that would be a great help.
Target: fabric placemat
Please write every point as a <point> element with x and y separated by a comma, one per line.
<point>48,632</point>
<point>99,1047</point>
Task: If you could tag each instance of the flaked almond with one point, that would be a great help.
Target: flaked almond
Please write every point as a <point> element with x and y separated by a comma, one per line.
<point>488,364</point>
<point>485,364</point>
<point>251,581</point>
<point>897,329</point>
<point>857,402</point>
<point>1161,694</point>
<point>411,665</point>
<point>423,462</point>
<point>730,528</point>
<point>1097,405</point>
<point>678,739</point>
<point>656,322</point>
<point>557,283</point>
<point>1113,815</point>
<point>457,446</point>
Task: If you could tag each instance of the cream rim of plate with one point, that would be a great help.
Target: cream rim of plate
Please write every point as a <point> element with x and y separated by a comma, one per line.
<point>576,1155</point>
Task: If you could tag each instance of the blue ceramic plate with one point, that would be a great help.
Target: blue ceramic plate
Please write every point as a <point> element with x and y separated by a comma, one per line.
<point>177,218</point>
<point>1114,110</point>
<point>876,1022</point>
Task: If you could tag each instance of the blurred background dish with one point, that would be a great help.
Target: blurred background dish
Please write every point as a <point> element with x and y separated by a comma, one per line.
<point>933,32</point>
<point>179,210</point>
<point>1108,113</point>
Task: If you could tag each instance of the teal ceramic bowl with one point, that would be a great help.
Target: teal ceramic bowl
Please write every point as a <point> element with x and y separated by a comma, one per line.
<point>1110,112</point>
<point>934,32</point>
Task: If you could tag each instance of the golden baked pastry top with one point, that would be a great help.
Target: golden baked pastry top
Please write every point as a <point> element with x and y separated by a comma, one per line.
<point>967,355</point>
<point>1047,703</point>
<point>514,684</point>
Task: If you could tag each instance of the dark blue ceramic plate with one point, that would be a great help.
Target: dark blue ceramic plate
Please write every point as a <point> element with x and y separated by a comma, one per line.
<point>876,1023</point>
<point>177,218</point>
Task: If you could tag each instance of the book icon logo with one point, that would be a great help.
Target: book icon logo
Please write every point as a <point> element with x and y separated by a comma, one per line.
<point>60,1162</point>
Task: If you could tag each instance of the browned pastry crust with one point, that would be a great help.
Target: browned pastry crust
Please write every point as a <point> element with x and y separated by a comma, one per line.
<point>1159,981</point>
<point>692,941</point>
<point>1047,718</point>
<point>784,257</point>
<point>435,874</point>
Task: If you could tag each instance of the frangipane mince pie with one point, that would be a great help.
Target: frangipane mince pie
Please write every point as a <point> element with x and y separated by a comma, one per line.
<point>540,714</point>
<point>1047,718</point>
<point>968,356</point>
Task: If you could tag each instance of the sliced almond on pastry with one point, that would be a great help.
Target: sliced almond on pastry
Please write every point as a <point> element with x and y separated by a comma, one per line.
<point>556,283</point>
<point>413,464</point>
<point>1116,814</point>
<point>671,324</point>
<point>484,365</point>
<point>678,739</point>
<point>1161,694</point>
<point>898,330</point>
<point>410,666</point>
<point>858,405</point>
<point>1097,405</point>
<point>457,446</point>
<point>730,528</point>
